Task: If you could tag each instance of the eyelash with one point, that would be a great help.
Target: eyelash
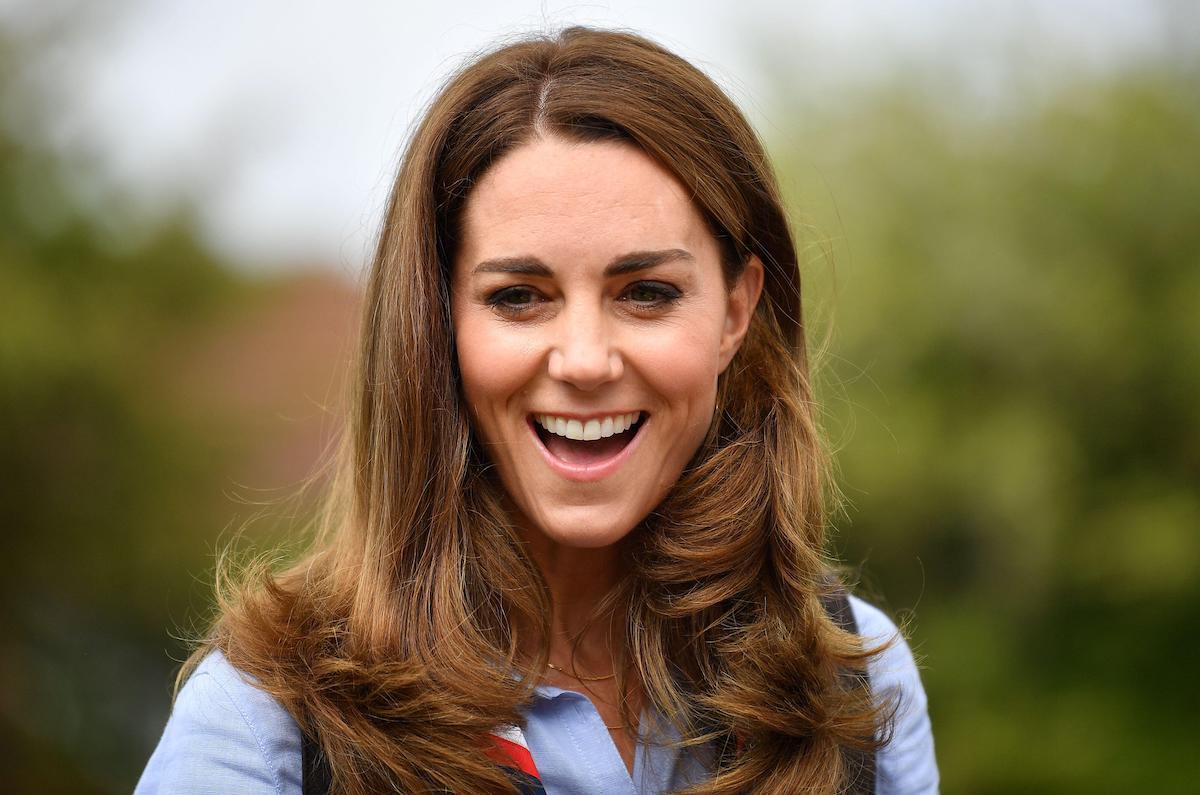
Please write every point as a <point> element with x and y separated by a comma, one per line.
<point>665,297</point>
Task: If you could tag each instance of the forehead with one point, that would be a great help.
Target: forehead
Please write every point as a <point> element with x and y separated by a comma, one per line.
<point>559,198</point>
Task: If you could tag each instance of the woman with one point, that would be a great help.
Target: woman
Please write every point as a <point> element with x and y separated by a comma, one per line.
<point>577,540</point>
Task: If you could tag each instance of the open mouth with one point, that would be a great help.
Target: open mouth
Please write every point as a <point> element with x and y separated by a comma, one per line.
<point>587,443</point>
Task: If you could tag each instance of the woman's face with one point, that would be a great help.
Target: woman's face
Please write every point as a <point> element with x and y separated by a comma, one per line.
<point>588,294</point>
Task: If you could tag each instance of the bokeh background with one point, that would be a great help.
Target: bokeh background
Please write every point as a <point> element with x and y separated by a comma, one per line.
<point>999,205</point>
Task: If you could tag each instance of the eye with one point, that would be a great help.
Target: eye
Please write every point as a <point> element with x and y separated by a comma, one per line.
<point>513,301</point>
<point>651,295</point>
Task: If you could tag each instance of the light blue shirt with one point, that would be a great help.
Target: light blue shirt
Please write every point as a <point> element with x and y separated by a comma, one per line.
<point>226,735</point>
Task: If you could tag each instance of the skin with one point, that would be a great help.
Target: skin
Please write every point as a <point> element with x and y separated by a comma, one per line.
<point>544,325</point>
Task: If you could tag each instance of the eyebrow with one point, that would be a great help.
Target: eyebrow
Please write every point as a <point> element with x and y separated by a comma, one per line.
<point>620,266</point>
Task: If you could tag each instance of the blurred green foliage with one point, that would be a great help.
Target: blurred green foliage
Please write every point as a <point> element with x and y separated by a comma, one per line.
<point>112,494</point>
<point>1012,385</point>
<point>1012,381</point>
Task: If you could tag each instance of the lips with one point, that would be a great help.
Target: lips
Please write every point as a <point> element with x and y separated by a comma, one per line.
<point>578,459</point>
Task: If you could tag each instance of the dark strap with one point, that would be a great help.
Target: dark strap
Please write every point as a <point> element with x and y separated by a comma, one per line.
<point>317,776</point>
<point>837,605</point>
<point>862,763</point>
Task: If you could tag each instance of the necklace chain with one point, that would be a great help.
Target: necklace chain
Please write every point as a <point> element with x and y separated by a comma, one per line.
<point>577,677</point>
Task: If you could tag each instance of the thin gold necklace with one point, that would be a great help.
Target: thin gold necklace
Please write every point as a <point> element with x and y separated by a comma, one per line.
<point>553,667</point>
<point>577,677</point>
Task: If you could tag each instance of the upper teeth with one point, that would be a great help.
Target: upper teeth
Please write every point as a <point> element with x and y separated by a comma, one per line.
<point>592,429</point>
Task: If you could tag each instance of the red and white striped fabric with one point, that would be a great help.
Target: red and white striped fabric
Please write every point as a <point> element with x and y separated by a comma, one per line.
<point>509,748</point>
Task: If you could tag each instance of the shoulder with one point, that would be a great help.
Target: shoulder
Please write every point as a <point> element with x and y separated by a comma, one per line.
<point>225,735</point>
<point>906,764</point>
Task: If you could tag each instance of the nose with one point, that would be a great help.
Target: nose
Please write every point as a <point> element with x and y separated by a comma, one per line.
<point>584,354</point>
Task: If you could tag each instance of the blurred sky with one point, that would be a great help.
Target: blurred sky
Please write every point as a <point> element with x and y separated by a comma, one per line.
<point>284,119</point>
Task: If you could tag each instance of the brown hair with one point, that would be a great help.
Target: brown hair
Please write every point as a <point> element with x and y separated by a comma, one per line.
<point>393,640</point>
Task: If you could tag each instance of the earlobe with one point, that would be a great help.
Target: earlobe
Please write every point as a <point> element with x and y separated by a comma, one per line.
<point>742,300</point>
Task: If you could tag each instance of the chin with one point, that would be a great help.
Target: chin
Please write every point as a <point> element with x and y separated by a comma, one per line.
<point>592,528</point>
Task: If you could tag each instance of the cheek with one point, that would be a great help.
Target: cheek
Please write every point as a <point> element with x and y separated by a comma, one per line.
<point>493,368</point>
<point>683,366</point>
<point>680,373</point>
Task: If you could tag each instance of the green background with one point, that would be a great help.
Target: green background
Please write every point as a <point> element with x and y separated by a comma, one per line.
<point>1003,292</point>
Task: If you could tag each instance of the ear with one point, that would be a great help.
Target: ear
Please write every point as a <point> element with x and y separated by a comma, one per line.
<point>739,308</point>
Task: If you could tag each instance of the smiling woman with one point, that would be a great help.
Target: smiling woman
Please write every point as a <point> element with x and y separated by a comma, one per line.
<point>588,290</point>
<point>577,541</point>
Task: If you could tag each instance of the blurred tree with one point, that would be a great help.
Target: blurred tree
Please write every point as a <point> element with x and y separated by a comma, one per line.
<point>1012,384</point>
<point>1013,380</point>
<point>115,460</point>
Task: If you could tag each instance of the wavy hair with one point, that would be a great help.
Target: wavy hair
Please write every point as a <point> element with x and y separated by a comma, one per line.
<point>394,638</point>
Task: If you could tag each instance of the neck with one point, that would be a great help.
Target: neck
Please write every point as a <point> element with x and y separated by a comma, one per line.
<point>584,646</point>
<point>578,580</point>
